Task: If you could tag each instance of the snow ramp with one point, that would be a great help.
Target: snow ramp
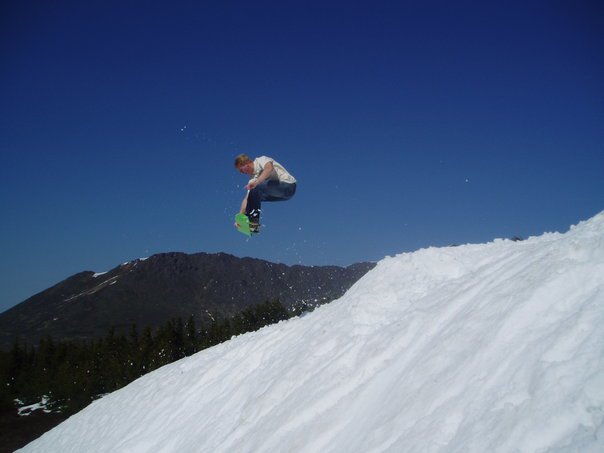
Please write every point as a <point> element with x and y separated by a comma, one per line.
<point>494,347</point>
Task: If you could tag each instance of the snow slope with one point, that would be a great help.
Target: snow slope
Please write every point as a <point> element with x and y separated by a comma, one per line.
<point>496,347</point>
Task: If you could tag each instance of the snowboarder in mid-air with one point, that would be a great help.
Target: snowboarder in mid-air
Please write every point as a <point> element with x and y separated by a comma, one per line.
<point>270,182</point>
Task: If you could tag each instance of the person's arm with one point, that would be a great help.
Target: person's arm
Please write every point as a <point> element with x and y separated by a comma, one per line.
<point>244,203</point>
<point>243,206</point>
<point>266,172</point>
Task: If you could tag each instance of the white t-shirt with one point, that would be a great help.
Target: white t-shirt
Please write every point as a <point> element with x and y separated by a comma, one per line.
<point>279,172</point>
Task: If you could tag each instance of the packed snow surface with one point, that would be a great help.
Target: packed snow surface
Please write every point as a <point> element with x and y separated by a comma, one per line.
<point>496,347</point>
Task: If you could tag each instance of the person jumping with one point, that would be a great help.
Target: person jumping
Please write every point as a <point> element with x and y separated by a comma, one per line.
<point>270,182</point>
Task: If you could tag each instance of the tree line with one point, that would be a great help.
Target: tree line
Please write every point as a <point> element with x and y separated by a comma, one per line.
<point>72,374</point>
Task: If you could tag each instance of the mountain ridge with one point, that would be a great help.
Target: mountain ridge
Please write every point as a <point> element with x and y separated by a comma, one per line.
<point>147,292</point>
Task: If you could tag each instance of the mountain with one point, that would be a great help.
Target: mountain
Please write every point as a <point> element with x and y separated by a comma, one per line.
<point>493,347</point>
<point>148,292</point>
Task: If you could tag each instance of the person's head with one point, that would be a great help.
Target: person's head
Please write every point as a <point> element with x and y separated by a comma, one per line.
<point>244,164</point>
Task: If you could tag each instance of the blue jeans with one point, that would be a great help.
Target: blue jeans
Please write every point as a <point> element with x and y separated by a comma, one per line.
<point>267,191</point>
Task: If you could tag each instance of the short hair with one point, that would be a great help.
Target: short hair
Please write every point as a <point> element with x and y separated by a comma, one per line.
<point>241,159</point>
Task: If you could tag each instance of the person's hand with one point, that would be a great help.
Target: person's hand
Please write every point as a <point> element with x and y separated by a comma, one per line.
<point>251,185</point>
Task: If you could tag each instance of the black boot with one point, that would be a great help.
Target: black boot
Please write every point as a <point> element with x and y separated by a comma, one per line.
<point>254,218</point>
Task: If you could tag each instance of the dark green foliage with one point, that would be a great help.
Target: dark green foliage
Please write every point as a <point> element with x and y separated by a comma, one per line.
<point>72,374</point>
<point>259,316</point>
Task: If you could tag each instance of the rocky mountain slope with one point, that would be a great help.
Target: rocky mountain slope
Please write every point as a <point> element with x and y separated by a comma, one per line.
<point>148,292</point>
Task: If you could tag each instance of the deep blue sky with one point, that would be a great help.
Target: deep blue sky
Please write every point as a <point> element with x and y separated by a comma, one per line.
<point>407,124</point>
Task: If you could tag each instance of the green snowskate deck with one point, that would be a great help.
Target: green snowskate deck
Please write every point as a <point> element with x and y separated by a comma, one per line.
<point>243,224</point>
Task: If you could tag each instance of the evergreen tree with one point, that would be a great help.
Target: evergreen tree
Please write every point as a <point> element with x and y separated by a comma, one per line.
<point>191,337</point>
